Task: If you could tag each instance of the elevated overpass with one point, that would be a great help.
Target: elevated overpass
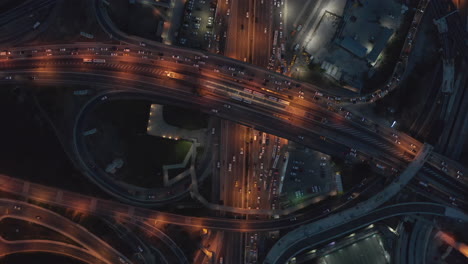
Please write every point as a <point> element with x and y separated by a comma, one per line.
<point>282,252</point>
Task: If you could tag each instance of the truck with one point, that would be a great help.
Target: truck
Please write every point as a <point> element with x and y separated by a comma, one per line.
<point>36,25</point>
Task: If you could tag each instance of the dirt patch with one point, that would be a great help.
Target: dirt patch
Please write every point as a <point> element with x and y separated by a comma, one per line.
<point>72,19</point>
<point>14,229</point>
<point>123,14</point>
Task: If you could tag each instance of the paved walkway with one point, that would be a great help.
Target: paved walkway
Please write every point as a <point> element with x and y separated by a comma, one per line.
<point>345,216</point>
<point>158,127</point>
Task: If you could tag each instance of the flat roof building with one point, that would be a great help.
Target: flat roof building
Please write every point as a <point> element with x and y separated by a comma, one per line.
<point>381,42</point>
<point>354,47</point>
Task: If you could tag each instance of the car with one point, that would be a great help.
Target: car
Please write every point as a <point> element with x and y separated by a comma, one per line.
<point>323,164</point>
<point>242,151</point>
<point>151,196</point>
<point>17,207</point>
<point>8,78</point>
<point>227,106</point>
<point>113,54</point>
<point>212,131</point>
<point>301,137</point>
<point>265,30</point>
<point>143,44</point>
<point>38,217</point>
<point>326,211</point>
<point>218,165</point>
<point>348,115</point>
<point>233,158</point>
<point>103,98</point>
<point>63,49</point>
<point>230,167</point>
<point>140,249</point>
<point>126,50</point>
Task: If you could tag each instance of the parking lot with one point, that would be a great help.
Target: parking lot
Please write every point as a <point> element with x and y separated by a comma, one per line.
<point>308,175</point>
<point>197,26</point>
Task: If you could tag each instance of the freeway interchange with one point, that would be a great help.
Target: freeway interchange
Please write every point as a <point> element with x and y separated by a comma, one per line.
<point>231,90</point>
<point>320,124</point>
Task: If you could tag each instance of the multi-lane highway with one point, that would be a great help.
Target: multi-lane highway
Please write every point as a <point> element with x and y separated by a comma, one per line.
<point>104,207</point>
<point>95,248</point>
<point>260,99</point>
<point>279,254</point>
<point>231,90</point>
<point>37,245</point>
